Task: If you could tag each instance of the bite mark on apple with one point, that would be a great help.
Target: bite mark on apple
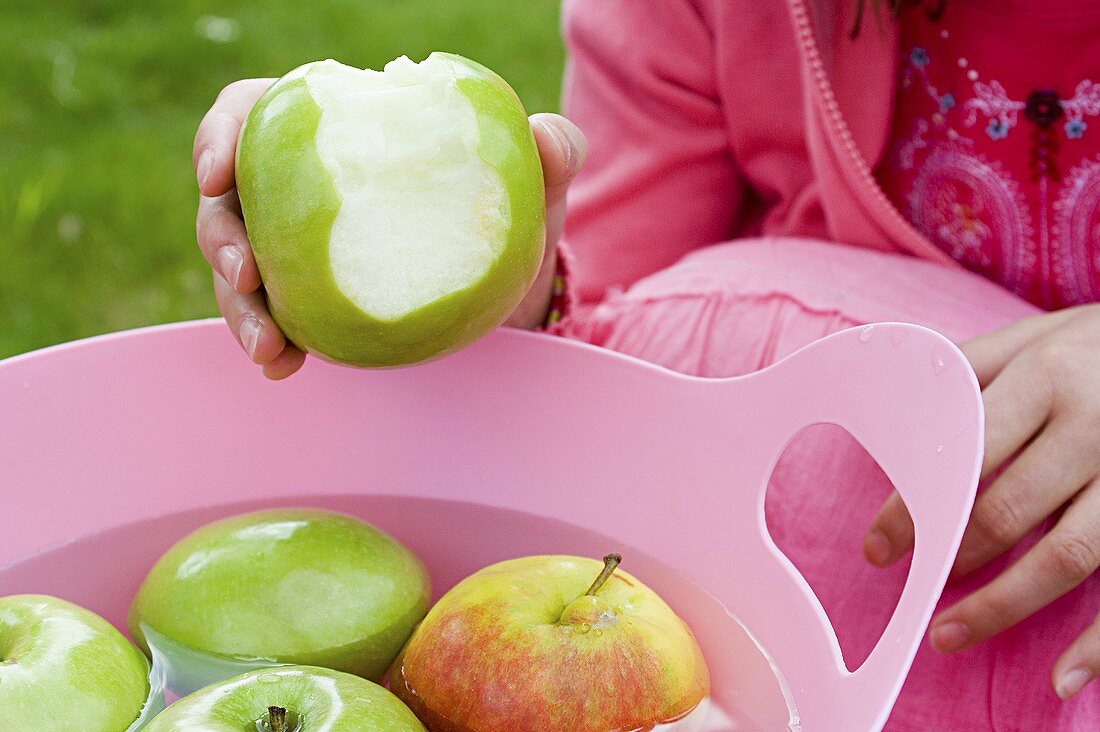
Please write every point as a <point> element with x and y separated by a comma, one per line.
<point>422,215</point>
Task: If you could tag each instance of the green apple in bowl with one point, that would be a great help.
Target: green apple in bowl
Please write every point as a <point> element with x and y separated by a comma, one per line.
<point>65,669</point>
<point>289,699</point>
<point>396,216</point>
<point>282,586</point>
<point>524,645</point>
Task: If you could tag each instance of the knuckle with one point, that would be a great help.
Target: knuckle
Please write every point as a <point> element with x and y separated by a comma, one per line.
<point>1072,557</point>
<point>233,87</point>
<point>218,123</point>
<point>990,610</point>
<point>220,119</point>
<point>998,519</point>
<point>207,230</point>
<point>1052,353</point>
<point>896,522</point>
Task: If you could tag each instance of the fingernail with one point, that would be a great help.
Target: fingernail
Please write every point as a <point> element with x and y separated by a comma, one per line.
<point>950,636</point>
<point>230,261</point>
<point>1072,682</point>
<point>206,162</point>
<point>571,145</point>
<point>250,335</point>
<point>578,143</point>
<point>877,548</point>
<point>565,150</point>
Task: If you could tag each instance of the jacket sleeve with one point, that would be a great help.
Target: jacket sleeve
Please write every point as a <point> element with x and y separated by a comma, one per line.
<point>660,179</point>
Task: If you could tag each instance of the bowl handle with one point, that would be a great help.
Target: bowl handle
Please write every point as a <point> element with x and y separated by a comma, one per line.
<point>909,396</point>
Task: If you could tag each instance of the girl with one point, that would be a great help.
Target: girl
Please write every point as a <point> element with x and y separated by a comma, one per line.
<point>764,172</point>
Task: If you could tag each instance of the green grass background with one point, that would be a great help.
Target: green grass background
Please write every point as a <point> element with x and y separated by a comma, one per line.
<point>99,102</point>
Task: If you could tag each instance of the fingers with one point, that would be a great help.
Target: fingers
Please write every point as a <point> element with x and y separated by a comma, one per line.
<point>216,139</point>
<point>990,353</point>
<point>891,533</point>
<point>1048,473</point>
<point>224,242</point>
<point>249,320</point>
<point>1080,663</point>
<point>256,331</point>
<point>1063,559</point>
<point>563,149</point>
<point>1017,403</point>
<point>285,364</point>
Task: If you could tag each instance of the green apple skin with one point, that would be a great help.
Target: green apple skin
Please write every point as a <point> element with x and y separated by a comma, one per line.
<point>285,586</point>
<point>321,700</point>
<point>65,669</point>
<point>290,204</point>
<point>518,645</point>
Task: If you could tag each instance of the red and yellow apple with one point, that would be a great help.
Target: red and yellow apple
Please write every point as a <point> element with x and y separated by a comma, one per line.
<point>535,643</point>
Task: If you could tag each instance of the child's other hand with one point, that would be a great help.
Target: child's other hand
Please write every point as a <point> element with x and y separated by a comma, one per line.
<point>1041,387</point>
<point>222,238</point>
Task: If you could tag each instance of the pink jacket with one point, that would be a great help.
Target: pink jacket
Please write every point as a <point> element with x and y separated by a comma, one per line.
<point>717,118</point>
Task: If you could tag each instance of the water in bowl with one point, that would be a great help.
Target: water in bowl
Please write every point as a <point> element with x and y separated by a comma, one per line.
<point>102,572</point>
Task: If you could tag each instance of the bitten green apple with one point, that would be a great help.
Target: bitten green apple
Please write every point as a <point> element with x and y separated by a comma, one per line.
<point>65,669</point>
<point>284,586</point>
<point>289,699</point>
<point>523,645</point>
<point>396,216</point>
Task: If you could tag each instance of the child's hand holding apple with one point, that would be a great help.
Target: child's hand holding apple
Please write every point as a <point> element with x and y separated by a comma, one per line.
<point>226,245</point>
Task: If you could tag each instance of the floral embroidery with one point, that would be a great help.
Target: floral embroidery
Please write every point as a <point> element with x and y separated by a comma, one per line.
<point>1044,108</point>
<point>997,129</point>
<point>992,101</point>
<point>974,209</point>
<point>1085,101</point>
<point>907,153</point>
<point>1075,129</point>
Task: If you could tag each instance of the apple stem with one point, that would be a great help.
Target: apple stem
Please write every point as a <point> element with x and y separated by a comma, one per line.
<point>610,562</point>
<point>276,719</point>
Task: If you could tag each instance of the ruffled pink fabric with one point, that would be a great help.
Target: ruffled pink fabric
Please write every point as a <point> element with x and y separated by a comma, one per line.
<point>734,308</point>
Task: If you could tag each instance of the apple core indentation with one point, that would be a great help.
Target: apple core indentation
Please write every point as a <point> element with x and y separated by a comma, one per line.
<point>422,215</point>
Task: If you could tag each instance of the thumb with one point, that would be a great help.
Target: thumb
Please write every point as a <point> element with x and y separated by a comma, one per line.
<point>563,148</point>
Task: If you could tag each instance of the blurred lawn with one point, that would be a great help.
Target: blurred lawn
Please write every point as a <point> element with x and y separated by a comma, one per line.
<point>99,101</point>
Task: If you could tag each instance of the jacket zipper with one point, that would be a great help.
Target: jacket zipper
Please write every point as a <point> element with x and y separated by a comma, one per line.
<point>895,224</point>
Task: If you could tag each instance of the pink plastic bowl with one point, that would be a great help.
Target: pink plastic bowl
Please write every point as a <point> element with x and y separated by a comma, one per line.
<point>113,448</point>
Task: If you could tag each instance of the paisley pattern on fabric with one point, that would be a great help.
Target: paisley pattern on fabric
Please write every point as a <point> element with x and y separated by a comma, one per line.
<point>1076,230</point>
<point>974,212</point>
<point>959,172</point>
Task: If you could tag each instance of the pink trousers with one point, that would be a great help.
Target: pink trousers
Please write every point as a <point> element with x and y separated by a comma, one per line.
<point>734,308</point>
